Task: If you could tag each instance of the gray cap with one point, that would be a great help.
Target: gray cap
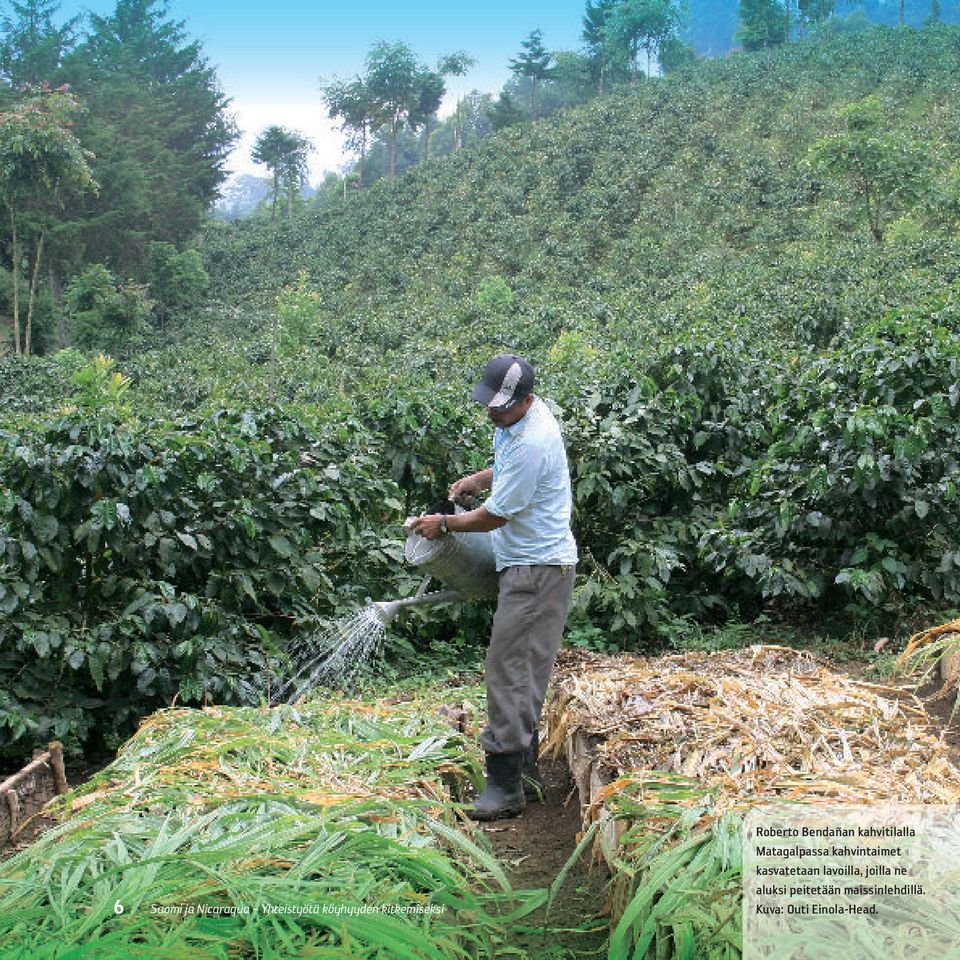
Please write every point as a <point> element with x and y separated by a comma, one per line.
<point>506,379</point>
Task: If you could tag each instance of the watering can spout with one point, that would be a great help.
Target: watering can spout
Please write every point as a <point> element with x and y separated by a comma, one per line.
<point>388,610</point>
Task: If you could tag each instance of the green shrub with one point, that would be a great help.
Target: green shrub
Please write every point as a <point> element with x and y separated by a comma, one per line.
<point>494,295</point>
<point>177,280</point>
<point>139,562</point>
<point>104,314</point>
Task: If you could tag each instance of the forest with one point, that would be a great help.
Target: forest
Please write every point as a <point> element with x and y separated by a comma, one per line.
<point>737,277</point>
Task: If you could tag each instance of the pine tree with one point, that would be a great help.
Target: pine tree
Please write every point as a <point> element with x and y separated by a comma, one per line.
<point>504,112</point>
<point>533,62</point>
<point>156,123</point>
<point>33,45</point>
<point>595,37</point>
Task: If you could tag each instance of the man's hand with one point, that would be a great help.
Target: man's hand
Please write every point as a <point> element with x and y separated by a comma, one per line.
<point>472,485</point>
<point>427,526</point>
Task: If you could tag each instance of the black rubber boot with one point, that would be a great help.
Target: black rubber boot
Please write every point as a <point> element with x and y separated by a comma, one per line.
<point>530,776</point>
<point>503,795</point>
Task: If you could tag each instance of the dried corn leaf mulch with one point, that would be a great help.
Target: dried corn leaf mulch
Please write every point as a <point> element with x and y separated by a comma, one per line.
<point>323,752</point>
<point>761,722</point>
<point>689,742</point>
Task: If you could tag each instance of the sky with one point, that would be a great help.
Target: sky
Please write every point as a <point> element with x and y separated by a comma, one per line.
<point>270,57</point>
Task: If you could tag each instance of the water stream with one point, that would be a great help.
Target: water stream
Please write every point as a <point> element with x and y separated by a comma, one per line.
<point>330,657</point>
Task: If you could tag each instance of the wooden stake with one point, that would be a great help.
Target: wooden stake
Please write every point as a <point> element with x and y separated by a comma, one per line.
<point>56,763</point>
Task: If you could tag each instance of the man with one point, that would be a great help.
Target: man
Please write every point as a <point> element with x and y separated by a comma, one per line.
<point>528,515</point>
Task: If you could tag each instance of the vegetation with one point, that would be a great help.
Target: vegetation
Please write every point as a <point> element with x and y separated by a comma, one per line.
<point>284,154</point>
<point>328,827</point>
<point>739,285</point>
<point>110,140</point>
<point>735,283</point>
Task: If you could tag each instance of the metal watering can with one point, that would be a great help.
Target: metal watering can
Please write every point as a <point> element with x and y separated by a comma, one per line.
<point>462,562</point>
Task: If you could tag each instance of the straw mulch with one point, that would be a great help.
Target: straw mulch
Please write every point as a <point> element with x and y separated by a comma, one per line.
<point>751,725</point>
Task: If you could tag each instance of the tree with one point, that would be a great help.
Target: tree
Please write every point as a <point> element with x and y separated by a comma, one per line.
<point>423,112</point>
<point>157,124</point>
<point>393,81</point>
<point>646,24</point>
<point>457,64</point>
<point>351,102</point>
<point>535,63</point>
<point>504,112</point>
<point>571,82</point>
<point>41,163</point>
<point>33,46</point>
<point>284,153</point>
<point>880,167</point>
<point>601,52</point>
<point>178,281</point>
<point>763,23</point>
<point>105,314</point>
<point>675,55</point>
<point>815,12</point>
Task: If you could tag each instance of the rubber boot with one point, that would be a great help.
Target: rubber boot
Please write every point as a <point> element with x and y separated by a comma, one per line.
<point>532,783</point>
<point>503,795</point>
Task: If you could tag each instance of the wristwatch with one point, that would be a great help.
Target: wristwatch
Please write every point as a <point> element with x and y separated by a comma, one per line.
<point>443,523</point>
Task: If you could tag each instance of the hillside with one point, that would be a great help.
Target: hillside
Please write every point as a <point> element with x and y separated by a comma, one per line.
<point>713,23</point>
<point>640,196</point>
<point>739,286</point>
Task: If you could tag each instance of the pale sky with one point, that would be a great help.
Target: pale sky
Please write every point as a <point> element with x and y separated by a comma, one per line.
<point>271,57</point>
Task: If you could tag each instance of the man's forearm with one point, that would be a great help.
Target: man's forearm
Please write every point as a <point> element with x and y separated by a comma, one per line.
<point>484,478</point>
<point>480,520</point>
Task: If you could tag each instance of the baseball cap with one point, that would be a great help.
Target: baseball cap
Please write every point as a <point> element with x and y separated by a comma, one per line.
<point>506,379</point>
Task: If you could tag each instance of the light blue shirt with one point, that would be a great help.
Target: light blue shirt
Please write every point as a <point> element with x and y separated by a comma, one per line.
<point>531,489</point>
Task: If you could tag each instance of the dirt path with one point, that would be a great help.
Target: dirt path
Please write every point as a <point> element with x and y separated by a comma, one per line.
<point>533,849</point>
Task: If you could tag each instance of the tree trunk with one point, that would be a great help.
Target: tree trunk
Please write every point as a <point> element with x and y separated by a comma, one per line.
<point>363,154</point>
<point>426,140</point>
<point>873,214</point>
<point>901,13</point>
<point>276,192</point>
<point>16,283</point>
<point>533,98</point>
<point>458,129</point>
<point>56,294</point>
<point>33,294</point>
<point>393,149</point>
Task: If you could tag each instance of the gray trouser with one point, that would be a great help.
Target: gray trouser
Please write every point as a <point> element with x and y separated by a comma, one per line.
<point>527,629</point>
